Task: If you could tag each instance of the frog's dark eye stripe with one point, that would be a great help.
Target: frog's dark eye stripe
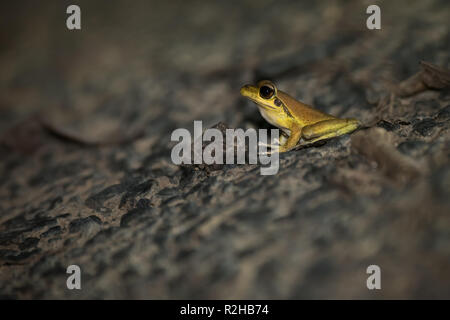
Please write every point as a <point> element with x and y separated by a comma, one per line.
<point>266,92</point>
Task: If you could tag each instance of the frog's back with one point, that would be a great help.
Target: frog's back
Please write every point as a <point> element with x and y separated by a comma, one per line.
<point>303,113</point>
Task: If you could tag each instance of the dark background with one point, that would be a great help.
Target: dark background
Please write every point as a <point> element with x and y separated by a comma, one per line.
<point>142,227</point>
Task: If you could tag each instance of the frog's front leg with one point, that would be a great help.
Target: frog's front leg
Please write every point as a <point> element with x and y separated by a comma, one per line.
<point>328,129</point>
<point>292,141</point>
<point>285,143</point>
<point>275,142</point>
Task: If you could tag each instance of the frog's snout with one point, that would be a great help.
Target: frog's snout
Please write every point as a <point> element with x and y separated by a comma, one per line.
<point>245,89</point>
<point>249,91</point>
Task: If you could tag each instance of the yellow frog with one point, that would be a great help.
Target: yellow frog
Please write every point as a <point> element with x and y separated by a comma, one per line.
<point>302,123</point>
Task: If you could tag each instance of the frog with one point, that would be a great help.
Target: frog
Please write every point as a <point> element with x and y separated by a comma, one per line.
<point>300,123</point>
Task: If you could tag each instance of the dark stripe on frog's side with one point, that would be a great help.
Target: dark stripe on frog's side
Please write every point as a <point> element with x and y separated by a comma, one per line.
<point>300,110</point>
<point>286,110</point>
<point>280,103</point>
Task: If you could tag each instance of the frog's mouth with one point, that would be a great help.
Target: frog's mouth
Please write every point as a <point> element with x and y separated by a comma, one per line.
<point>263,105</point>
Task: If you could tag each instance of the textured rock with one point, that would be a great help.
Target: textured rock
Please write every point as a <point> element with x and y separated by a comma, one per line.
<point>78,185</point>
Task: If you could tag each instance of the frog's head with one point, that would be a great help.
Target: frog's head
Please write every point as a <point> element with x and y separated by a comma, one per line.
<point>271,106</point>
<point>264,94</point>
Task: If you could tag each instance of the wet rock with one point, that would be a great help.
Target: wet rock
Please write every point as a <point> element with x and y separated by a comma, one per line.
<point>422,106</point>
<point>134,214</point>
<point>413,148</point>
<point>386,125</point>
<point>209,167</point>
<point>425,127</point>
<point>5,253</point>
<point>54,231</point>
<point>444,113</point>
<point>96,201</point>
<point>28,243</point>
<point>9,237</point>
<point>85,224</point>
<point>141,227</point>
<point>59,171</point>
<point>134,191</point>
<point>14,257</point>
<point>143,204</point>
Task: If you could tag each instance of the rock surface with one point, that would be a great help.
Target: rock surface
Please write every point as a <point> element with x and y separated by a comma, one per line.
<point>141,227</point>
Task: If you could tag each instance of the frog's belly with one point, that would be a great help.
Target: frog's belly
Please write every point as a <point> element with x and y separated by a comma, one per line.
<point>273,121</point>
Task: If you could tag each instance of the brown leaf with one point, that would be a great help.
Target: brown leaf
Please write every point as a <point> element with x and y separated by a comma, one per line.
<point>376,144</point>
<point>434,77</point>
<point>430,77</point>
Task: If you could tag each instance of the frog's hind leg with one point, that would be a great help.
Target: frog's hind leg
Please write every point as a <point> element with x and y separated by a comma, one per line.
<point>328,129</point>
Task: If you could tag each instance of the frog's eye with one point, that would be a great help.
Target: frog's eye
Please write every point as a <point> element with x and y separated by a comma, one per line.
<point>266,92</point>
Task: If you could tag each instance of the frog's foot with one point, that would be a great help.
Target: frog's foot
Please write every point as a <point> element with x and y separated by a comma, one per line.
<point>273,149</point>
<point>275,144</point>
<point>276,149</point>
<point>268,153</point>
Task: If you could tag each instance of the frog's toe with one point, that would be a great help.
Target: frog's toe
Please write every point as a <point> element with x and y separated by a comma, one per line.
<point>273,149</point>
<point>271,146</point>
<point>267,153</point>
